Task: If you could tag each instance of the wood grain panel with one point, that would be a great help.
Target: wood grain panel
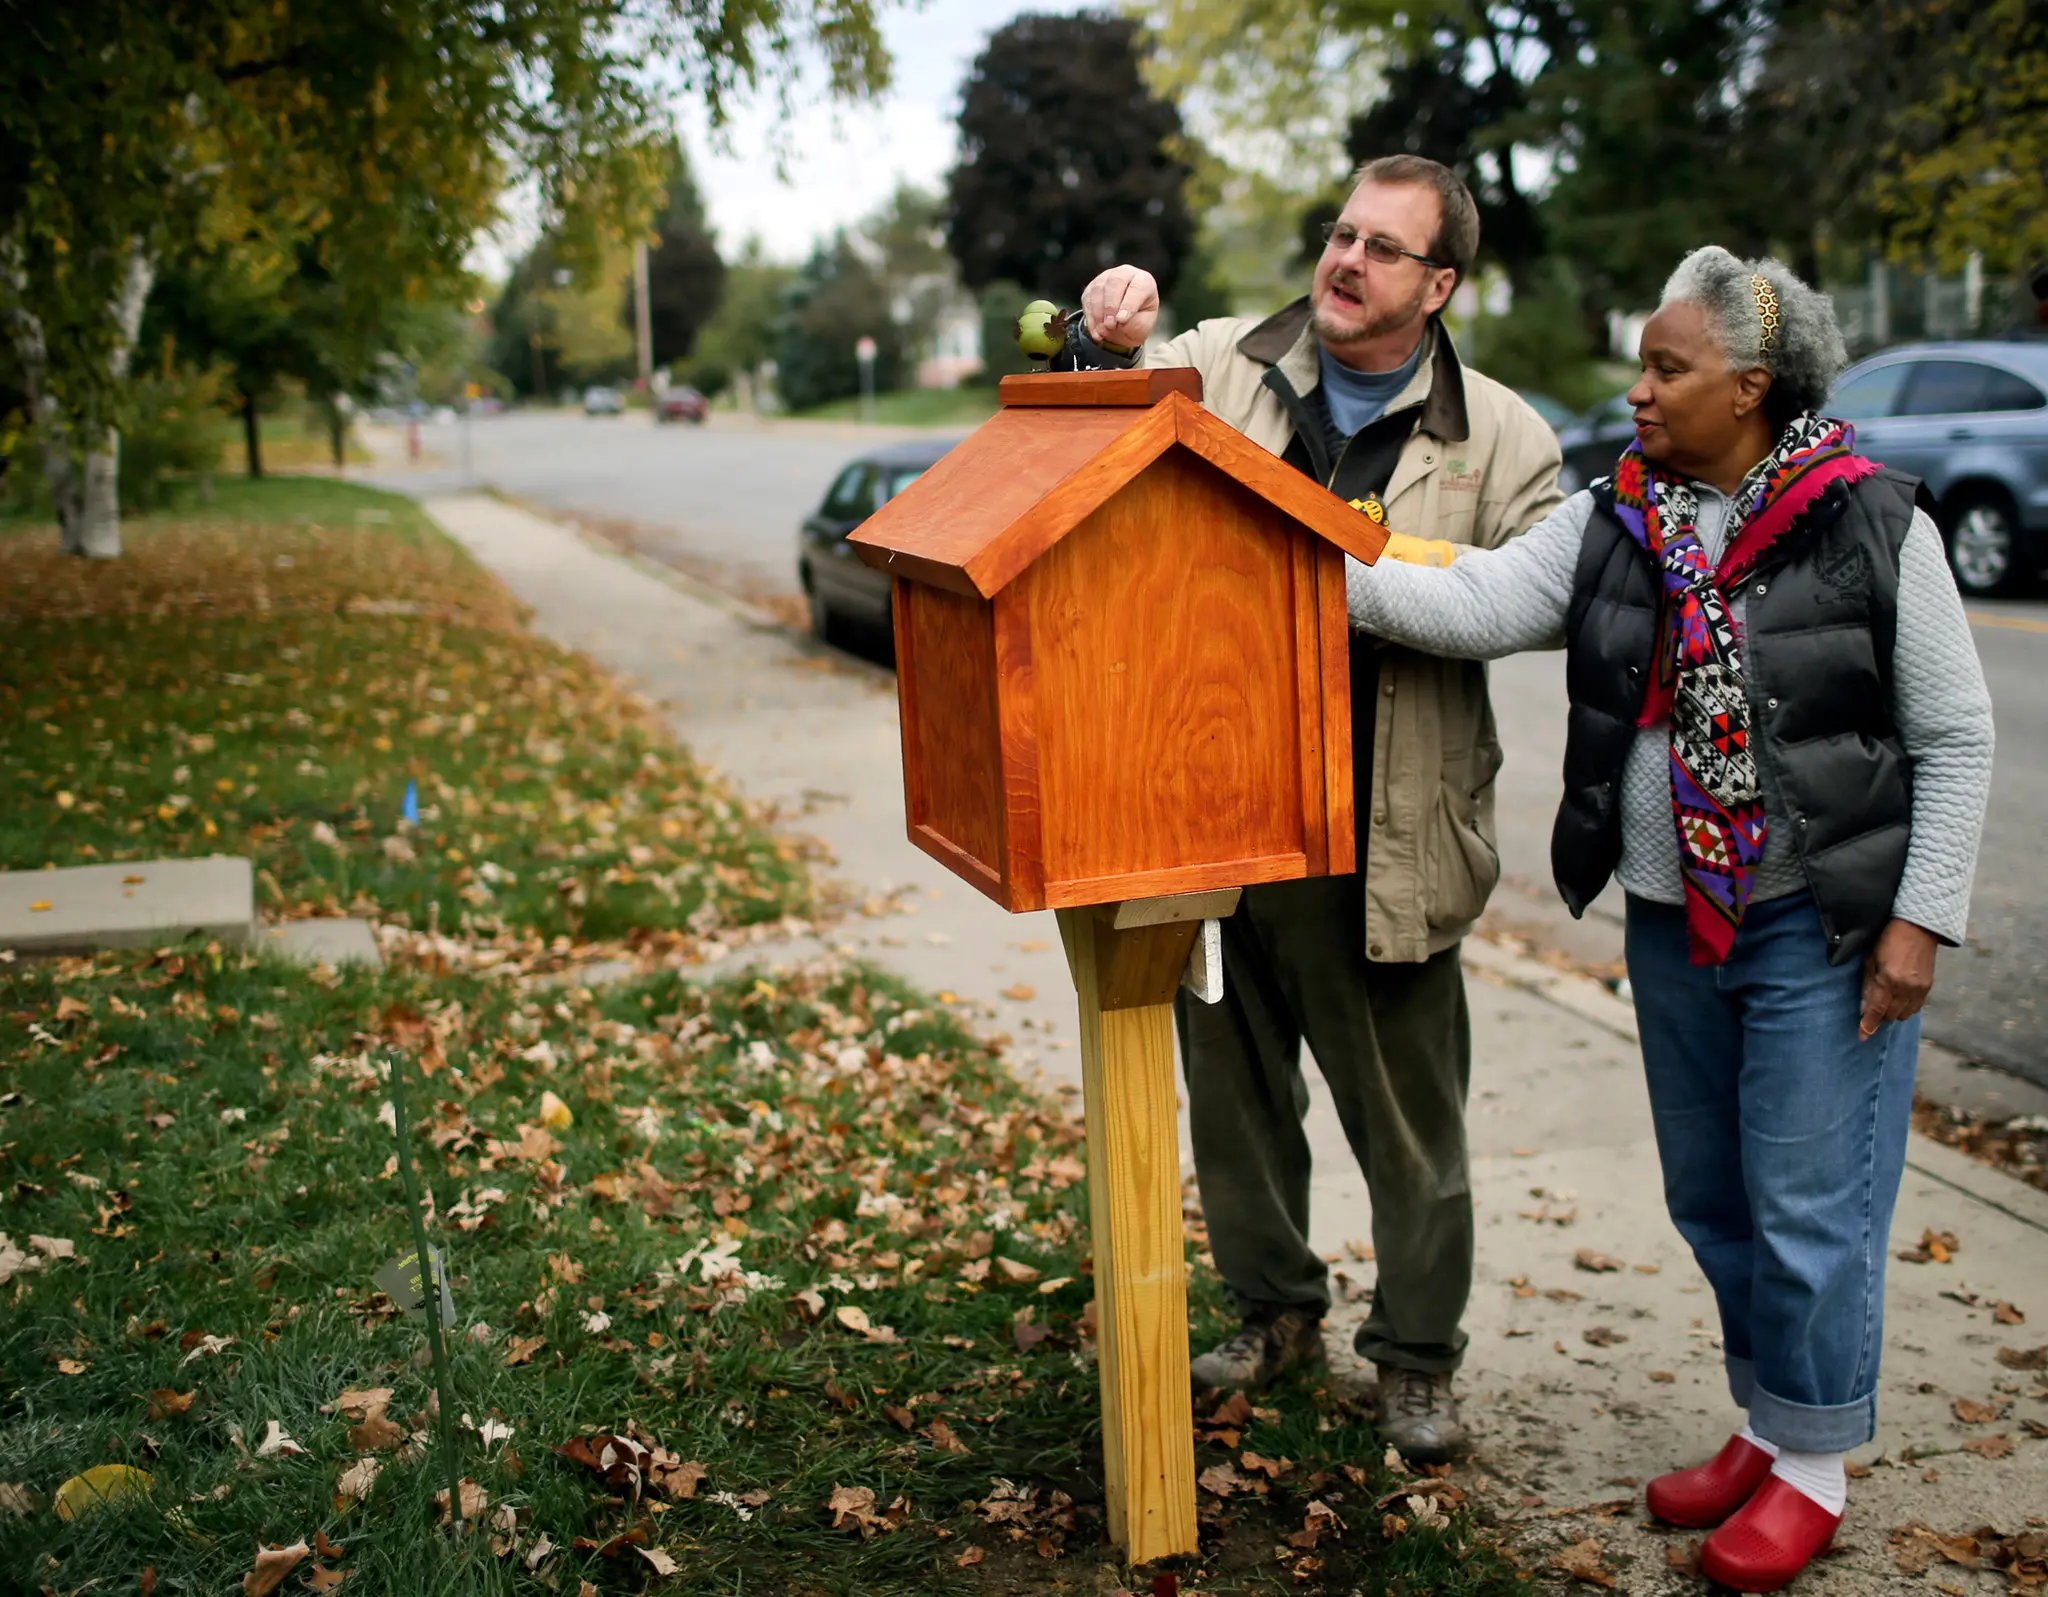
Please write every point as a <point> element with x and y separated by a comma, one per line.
<point>1200,878</point>
<point>1334,658</point>
<point>1004,559</point>
<point>1146,386</point>
<point>1141,1302</point>
<point>951,750</point>
<point>1017,726</point>
<point>1167,677</point>
<point>1267,475</point>
<point>978,489</point>
<point>1308,700</point>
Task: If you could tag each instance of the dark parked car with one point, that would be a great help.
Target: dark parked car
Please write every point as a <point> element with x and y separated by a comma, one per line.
<point>845,592</point>
<point>1593,443</point>
<point>681,404</point>
<point>1971,421</point>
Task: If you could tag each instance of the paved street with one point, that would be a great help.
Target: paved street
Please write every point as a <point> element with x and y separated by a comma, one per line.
<point>723,502</point>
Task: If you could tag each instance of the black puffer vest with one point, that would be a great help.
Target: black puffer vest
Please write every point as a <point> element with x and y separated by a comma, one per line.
<point>1821,615</point>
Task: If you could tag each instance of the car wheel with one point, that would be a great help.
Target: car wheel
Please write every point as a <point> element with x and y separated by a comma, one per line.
<point>824,619</point>
<point>1984,543</point>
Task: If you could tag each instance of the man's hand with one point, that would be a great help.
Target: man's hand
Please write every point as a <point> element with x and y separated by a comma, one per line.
<point>1897,976</point>
<point>1121,306</point>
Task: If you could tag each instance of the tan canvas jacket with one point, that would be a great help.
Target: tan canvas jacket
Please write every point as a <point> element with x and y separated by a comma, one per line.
<point>1480,468</point>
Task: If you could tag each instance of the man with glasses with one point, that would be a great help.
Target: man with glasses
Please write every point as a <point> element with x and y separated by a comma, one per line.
<point>1358,385</point>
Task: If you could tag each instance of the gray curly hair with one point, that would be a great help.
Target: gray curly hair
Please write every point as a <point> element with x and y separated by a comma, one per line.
<point>1806,354</point>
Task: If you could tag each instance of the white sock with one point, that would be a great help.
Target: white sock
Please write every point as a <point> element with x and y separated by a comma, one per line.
<point>1819,1475</point>
<point>1756,1441</point>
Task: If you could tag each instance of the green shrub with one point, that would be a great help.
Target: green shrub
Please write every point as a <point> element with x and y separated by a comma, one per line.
<point>172,426</point>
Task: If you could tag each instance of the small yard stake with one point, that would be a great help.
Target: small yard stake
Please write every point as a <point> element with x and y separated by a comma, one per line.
<point>430,1282</point>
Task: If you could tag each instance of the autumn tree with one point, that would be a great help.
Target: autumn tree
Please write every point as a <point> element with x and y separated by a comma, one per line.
<point>1069,162</point>
<point>131,133</point>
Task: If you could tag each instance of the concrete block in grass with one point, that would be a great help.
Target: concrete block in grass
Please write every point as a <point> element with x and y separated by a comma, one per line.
<point>134,904</point>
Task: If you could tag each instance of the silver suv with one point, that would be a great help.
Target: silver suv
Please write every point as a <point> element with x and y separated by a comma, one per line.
<point>1971,421</point>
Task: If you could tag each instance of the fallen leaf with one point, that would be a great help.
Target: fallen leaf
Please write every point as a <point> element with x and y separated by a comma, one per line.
<point>474,1500</point>
<point>1581,1561</point>
<point>72,1366</point>
<point>1603,1336</point>
<point>2005,1314</point>
<point>376,1433</point>
<point>1596,1263</point>
<point>2033,1358</point>
<point>1998,1446</point>
<point>93,1489</point>
<point>811,1301</point>
<point>276,1442</point>
<point>663,1564</point>
<point>39,906</point>
<point>145,1583</point>
<point>1221,1480</point>
<point>1683,1558</point>
<point>554,1114</point>
<point>165,1404</point>
<point>520,1349</point>
<point>1022,992</point>
<point>1271,1468</point>
<point>853,1508</point>
<point>1021,1274</point>
<point>854,1318</point>
<point>321,1578</point>
<point>968,1559</point>
<point>680,1480</point>
<point>272,1565</point>
<point>322,1547</point>
<point>1971,1412</point>
<point>16,1498</point>
<point>1936,1247</point>
<point>355,1483</point>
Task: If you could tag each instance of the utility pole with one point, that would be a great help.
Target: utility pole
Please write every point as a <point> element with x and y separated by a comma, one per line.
<point>643,329</point>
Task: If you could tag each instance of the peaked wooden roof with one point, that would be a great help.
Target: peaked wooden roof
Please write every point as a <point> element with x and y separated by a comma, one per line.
<point>1060,446</point>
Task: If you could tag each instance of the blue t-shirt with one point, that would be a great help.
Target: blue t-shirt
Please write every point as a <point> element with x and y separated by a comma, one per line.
<point>1358,399</point>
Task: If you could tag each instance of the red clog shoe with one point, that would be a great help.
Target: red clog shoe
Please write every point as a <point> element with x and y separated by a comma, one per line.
<point>1773,1536</point>
<point>1708,1493</point>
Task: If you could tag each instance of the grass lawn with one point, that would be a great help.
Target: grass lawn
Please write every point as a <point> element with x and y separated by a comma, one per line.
<point>914,407</point>
<point>770,1286</point>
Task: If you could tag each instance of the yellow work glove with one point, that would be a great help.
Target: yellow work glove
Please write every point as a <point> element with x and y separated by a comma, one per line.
<point>1409,551</point>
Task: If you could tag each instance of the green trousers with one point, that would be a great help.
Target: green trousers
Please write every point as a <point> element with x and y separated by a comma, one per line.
<point>1395,1045</point>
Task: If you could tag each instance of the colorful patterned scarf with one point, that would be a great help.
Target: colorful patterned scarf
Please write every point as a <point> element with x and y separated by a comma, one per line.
<point>1697,680</point>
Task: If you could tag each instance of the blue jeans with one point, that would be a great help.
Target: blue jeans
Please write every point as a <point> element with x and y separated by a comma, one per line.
<point>1783,1140</point>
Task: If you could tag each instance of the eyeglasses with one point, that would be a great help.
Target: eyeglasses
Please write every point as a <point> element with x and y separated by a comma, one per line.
<point>1342,235</point>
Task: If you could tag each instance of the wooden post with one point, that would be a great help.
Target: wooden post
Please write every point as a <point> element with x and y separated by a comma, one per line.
<point>1127,960</point>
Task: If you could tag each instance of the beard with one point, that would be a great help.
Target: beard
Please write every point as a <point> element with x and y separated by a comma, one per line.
<point>1379,320</point>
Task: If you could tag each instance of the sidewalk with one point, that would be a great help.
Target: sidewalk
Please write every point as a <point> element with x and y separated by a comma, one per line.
<point>1562,1158</point>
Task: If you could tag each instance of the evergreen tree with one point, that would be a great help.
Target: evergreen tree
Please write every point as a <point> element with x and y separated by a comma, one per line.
<point>1068,161</point>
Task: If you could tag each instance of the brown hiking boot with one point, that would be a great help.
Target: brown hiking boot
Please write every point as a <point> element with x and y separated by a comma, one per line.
<point>1260,1353</point>
<point>1419,1415</point>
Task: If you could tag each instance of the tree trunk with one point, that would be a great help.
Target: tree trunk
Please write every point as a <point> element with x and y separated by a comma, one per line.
<point>335,434</point>
<point>252,435</point>
<point>99,510</point>
<point>25,330</point>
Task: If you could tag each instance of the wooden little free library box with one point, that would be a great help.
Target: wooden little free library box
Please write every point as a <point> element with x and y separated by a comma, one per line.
<point>1121,649</point>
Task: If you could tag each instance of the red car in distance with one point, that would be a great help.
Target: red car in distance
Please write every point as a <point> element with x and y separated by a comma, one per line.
<point>681,404</point>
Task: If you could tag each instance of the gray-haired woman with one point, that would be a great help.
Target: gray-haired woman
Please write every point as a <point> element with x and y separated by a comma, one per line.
<point>1780,742</point>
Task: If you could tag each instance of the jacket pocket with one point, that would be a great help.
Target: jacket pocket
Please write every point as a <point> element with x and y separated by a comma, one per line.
<point>1460,863</point>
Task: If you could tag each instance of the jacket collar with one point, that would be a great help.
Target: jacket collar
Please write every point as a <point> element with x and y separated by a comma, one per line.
<point>1286,340</point>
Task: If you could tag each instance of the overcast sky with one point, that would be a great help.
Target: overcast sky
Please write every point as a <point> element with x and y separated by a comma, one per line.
<point>844,162</point>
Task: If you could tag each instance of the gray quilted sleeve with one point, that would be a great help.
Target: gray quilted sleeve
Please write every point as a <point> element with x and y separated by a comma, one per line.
<point>1487,602</point>
<point>1944,716</point>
